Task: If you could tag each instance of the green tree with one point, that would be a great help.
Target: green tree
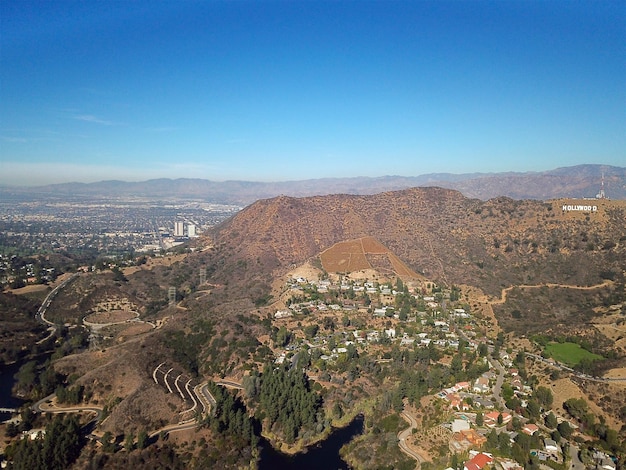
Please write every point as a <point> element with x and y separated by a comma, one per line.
<point>504,444</point>
<point>129,442</point>
<point>456,365</point>
<point>142,439</point>
<point>287,401</point>
<point>310,331</point>
<point>533,409</point>
<point>544,397</point>
<point>551,421</point>
<point>283,337</point>
<point>118,275</point>
<point>565,430</point>
<point>507,391</point>
<point>108,444</point>
<point>59,447</point>
<point>250,384</point>
<point>11,430</point>
<point>492,440</point>
<point>337,410</point>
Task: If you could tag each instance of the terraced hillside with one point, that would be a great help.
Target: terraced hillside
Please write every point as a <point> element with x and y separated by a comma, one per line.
<point>364,253</point>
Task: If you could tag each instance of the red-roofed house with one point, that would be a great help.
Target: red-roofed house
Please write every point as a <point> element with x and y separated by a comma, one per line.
<point>456,402</point>
<point>530,429</point>
<point>478,462</point>
<point>491,419</point>
<point>462,385</point>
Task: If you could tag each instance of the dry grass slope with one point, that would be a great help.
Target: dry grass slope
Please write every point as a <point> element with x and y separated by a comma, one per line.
<point>364,253</point>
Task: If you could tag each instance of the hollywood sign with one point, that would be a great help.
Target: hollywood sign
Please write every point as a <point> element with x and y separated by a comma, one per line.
<point>580,208</point>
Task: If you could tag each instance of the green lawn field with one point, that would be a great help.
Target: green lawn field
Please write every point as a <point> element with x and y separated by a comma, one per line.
<point>569,353</point>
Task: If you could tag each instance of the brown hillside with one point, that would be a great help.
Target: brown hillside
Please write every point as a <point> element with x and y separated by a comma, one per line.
<point>364,253</point>
<point>437,232</point>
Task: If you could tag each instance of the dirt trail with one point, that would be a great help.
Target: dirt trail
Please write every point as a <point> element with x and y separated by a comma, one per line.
<point>506,290</point>
<point>441,266</point>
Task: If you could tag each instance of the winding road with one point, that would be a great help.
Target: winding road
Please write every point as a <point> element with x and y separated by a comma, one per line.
<point>403,435</point>
<point>40,315</point>
<point>45,406</point>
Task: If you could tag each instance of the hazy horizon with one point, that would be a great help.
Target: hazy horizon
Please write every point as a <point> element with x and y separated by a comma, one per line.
<point>431,177</point>
<point>288,91</point>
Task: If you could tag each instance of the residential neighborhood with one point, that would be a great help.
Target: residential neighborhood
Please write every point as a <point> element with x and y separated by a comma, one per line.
<point>485,419</point>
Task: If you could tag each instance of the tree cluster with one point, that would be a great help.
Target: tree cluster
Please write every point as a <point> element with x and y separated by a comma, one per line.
<point>231,417</point>
<point>70,395</point>
<point>288,403</point>
<point>59,447</point>
<point>606,437</point>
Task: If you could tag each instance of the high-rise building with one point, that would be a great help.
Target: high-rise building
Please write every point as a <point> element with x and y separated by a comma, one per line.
<point>191,230</point>
<point>179,229</point>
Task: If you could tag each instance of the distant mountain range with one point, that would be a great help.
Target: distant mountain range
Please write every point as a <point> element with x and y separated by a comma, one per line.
<point>576,182</point>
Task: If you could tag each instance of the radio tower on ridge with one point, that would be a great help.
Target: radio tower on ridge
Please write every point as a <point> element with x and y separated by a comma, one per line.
<point>601,194</point>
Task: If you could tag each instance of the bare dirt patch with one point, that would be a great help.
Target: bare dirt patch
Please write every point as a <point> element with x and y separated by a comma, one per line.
<point>480,305</point>
<point>134,330</point>
<point>345,257</point>
<point>151,263</point>
<point>564,389</point>
<point>614,328</point>
<point>305,271</point>
<point>364,254</point>
<point>115,316</point>
<point>29,289</point>
<point>115,378</point>
<point>616,373</point>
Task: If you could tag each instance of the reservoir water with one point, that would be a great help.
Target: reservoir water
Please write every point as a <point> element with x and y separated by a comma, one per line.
<point>7,400</point>
<point>324,455</point>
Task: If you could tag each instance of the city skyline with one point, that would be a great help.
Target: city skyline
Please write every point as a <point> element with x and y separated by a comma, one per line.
<point>278,91</point>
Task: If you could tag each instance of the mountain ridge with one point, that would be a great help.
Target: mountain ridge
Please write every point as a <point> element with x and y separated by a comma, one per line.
<point>576,181</point>
<point>437,232</point>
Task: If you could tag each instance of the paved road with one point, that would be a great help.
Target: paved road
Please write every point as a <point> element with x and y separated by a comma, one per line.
<point>403,435</point>
<point>497,388</point>
<point>230,384</point>
<point>173,428</point>
<point>575,462</point>
<point>208,397</point>
<point>571,371</point>
<point>179,383</point>
<point>43,406</point>
<point>46,303</point>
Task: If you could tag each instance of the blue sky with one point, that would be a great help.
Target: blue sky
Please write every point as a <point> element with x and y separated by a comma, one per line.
<point>291,90</point>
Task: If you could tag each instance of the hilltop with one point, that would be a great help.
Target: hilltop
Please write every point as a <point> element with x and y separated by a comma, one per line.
<point>438,233</point>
